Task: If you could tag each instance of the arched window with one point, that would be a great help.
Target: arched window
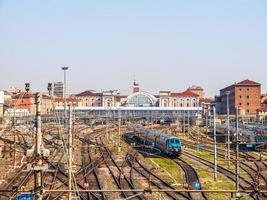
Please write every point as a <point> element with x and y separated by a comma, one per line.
<point>165,103</point>
<point>108,102</point>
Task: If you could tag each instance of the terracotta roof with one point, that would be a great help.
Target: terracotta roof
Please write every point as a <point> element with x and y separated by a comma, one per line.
<point>262,109</point>
<point>23,95</point>
<point>88,93</point>
<point>186,93</point>
<point>67,99</point>
<point>247,82</point>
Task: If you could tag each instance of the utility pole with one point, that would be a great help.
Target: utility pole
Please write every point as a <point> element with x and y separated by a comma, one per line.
<point>237,154</point>
<point>197,132</point>
<point>14,123</point>
<point>184,122</point>
<point>119,142</point>
<point>107,135</point>
<point>206,116</point>
<point>215,143</point>
<point>228,131</point>
<point>64,96</point>
<point>70,154</point>
<point>38,149</point>
<point>37,152</point>
<point>188,123</point>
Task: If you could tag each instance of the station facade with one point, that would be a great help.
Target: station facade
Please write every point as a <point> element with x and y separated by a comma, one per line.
<point>138,98</point>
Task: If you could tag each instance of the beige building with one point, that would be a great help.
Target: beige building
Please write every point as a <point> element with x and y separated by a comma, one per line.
<point>183,99</point>
<point>74,102</point>
<point>89,98</point>
<point>197,90</point>
<point>262,114</point>
<point>111,98</point>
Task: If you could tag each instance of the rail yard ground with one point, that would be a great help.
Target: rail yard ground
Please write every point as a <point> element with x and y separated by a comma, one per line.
<point>105,165</point>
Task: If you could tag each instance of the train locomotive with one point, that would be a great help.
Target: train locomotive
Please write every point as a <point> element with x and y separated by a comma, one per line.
<point>167,144</point>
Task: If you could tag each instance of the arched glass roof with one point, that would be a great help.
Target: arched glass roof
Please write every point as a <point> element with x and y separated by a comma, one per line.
<point>141,99</point>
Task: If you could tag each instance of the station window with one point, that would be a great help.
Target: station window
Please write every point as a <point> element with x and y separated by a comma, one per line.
<point>247,89</point>
<point>240,97</point>
<point>240,104</point>
<point>247,104</point>
<point>240,89</point>
<point>247,97</point>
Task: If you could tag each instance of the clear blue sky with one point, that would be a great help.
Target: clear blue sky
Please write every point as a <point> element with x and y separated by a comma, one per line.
<point>166,44</point>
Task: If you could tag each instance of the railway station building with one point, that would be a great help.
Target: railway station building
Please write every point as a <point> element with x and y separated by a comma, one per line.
<point>140,102</point>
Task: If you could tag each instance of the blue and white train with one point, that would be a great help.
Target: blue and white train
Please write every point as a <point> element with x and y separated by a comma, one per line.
<point>167,144</point>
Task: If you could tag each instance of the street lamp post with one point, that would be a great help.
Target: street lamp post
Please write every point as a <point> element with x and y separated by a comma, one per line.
<point>228,131</point>
<point>64,95</point>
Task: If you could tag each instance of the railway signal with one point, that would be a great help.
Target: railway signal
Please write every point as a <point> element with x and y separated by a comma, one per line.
<point>27,87</point>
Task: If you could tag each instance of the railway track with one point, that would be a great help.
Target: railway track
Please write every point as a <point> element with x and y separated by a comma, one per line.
<point>244,184</point>
<point>191,176</point>
<point>155,180</point>
<point>90,177</point>
<point>252,173</point>
<point>122,181</point>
